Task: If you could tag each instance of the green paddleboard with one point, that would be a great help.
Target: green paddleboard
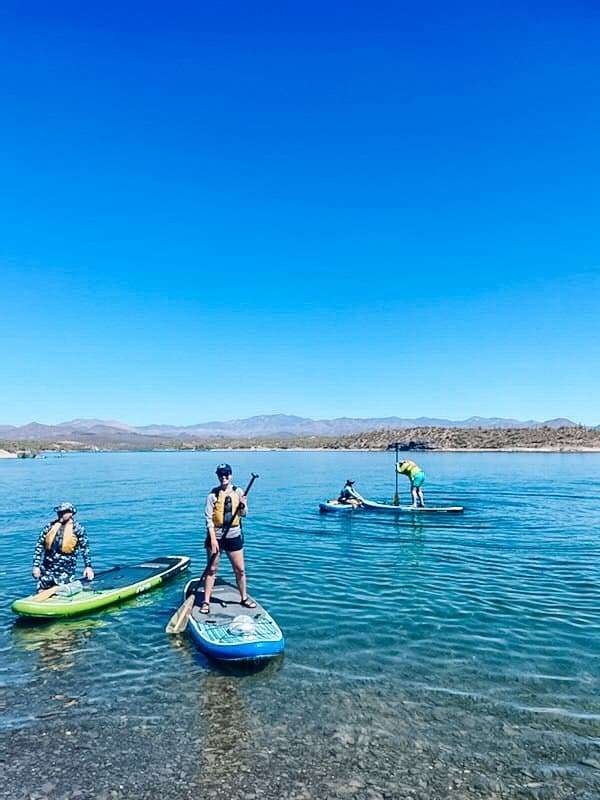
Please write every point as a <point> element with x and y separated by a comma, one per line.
<point>108,587</point>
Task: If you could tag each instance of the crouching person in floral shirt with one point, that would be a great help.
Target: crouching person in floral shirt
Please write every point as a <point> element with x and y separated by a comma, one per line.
<point>55,556</point>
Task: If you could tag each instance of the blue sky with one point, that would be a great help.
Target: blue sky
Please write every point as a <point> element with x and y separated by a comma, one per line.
<point>362,210</point>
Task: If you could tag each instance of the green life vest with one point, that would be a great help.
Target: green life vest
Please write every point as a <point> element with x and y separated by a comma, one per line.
<point>408,468</point>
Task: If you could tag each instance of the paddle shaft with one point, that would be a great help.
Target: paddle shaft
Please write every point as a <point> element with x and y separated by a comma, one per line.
<point>396,498</point>
<point>227,528</point>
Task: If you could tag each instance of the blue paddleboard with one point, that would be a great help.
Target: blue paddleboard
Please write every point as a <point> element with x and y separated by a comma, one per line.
<point>370,504</point>
<point>232,632</point>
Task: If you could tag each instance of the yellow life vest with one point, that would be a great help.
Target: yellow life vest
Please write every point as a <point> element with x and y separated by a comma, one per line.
<point>408,468</point>
<point>224,510</point>
<point>69,538</point>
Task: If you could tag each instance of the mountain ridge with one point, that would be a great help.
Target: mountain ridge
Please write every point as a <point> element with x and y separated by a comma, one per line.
<point>261,425</point>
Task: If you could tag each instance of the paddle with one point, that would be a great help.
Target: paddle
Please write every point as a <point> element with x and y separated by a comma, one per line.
<point>396,500</point>
<point>179,620</point>
<point>44,594</point>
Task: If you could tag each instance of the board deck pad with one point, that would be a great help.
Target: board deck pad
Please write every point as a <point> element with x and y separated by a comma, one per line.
<point>224,605</point>
<point>117,577</point>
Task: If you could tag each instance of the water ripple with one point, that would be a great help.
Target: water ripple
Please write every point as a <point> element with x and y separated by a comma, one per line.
<point>470,641</point>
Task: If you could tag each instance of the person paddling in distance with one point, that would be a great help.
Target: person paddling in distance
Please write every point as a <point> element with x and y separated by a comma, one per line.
<point>417,478</point>
<point>224,533</point>
<point>348,496</point>
<point>55,555</point>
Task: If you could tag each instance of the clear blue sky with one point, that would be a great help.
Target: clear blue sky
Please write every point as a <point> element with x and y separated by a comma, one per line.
<point>355,209</point>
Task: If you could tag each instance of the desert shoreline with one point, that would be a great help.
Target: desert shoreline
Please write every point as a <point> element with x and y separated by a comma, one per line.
<point>9,456</point>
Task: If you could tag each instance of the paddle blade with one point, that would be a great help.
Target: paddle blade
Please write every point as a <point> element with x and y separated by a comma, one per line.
<point>396,500</point>
<point>179,620</point>
<point>44,594</point>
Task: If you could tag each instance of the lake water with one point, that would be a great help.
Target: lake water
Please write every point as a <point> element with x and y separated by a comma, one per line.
<point>444,656</point>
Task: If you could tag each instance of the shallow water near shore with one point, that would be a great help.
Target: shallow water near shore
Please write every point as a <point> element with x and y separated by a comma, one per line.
<point>444,656</point>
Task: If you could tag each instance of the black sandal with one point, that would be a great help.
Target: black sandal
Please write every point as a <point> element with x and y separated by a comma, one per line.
<point>247,602</point>
<point>205,608</point>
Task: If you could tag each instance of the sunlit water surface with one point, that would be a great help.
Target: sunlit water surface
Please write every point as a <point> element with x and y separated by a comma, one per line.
<point>447,656</point>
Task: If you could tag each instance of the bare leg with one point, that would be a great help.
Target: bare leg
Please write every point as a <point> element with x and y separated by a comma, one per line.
<point>237,562</point>
<point>414,492</point>
<point>421,499</point>
<point>209,581</point>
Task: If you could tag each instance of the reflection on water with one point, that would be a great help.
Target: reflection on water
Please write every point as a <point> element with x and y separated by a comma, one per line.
<point>57,645</point>
<point>426,657</point>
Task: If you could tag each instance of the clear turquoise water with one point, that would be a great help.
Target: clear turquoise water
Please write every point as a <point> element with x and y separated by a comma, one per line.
<point>426,658</point>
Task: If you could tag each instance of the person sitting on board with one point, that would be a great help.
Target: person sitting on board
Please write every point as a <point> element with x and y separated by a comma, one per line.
<point>55,555</point>
<point>221,505</point>
<point>417,478</point>
<point>347,496</point>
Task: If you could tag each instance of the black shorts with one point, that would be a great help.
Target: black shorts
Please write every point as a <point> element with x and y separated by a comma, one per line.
<point>228,545</point>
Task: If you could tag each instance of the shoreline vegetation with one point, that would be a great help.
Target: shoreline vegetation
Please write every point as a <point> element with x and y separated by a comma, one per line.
<point>576,438</point>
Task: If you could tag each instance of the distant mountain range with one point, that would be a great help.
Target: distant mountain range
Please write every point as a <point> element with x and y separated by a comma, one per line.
<point>264,426</point>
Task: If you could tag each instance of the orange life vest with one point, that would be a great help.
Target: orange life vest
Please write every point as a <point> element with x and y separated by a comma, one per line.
<point>226,505</point>
<point>69,538</point>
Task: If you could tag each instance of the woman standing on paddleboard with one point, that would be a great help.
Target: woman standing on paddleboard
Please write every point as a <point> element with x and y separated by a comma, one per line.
<point>55,556</point>
<point>225,505</point>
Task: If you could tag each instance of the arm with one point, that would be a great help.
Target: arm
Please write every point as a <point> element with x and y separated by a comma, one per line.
<point>40,547</point>
<point>355,494</point>
<point>210,525</point>
<point>84,545</point>
<point>209,507</point>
